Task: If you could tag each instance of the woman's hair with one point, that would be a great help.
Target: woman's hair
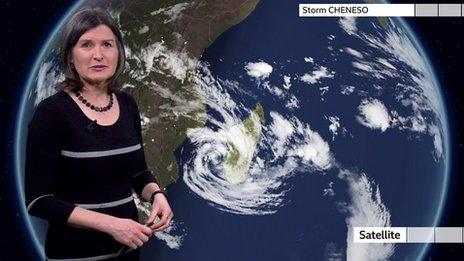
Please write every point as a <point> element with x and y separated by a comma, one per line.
<point>84,19</point>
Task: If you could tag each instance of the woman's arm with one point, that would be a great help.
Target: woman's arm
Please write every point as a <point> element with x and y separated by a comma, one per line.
<point>88,219</point>
<point>124,230</point>
<point>160,208</point>
<point>42,165</point>
<point>148,190</point>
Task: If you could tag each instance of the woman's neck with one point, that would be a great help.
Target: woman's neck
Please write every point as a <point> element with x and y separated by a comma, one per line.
<point>95,92</point>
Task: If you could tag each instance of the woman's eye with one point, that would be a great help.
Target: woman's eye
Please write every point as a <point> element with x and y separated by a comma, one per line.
<point>85,45</point>
<point>107,44</point>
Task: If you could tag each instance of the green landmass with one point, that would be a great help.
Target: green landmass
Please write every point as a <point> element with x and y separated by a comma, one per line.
<point>248,122</point>
<point>233,156</point>
<point>239,159</point>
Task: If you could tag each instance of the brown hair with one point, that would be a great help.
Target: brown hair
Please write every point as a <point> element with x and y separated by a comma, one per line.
<point>84,19</point>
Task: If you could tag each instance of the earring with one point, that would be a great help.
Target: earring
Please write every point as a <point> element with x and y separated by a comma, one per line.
<point>72,66</point>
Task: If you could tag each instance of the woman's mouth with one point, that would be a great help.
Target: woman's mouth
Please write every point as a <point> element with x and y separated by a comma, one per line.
<point>98,68</point>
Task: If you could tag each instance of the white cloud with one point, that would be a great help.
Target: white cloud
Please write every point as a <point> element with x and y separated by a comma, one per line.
<point>380,68</point>
<point>48,77</point>
<point>353,52</point>
<point>144,121</point>
<point>347,90</point>
<point>258,70</point>
<point>318,74</point>
<point>364,66</point>
<point>348,24</point>
<point>282,129</point>
<point>400,48</point>
<point>172,241</point>
<point>334,125</point>
<point>261,192</point>
<point>374,115</point>
<point>329,190</point>
<point>309,59</point>
<point>416,88</point>
<point>292,103</point>
<point>292,138</point>
<point>273,89</point>
<point>332,253</point>
<point>324,90</point>
<point>178,105</point>
<point>287,83</point>
<point>365,209</point>
<point>158,57</point>
<point>437,140</point>
<point>386,63</point>
<point>173,12</point>
<point>144,29</point>
<point>312,149</point>
<point>418,123</point>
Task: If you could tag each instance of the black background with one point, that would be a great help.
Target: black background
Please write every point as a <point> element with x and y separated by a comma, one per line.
<point>25,27</point>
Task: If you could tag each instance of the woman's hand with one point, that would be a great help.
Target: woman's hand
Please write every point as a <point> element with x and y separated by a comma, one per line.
<point>129,232</point>
<point>161,209</point>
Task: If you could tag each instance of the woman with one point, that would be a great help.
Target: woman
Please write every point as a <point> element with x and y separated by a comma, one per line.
<point>85,152</point>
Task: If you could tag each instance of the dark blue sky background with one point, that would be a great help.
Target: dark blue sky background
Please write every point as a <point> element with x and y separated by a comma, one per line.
<point>26,26</point>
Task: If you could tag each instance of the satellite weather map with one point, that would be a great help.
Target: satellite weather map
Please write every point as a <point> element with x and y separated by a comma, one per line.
<point>280,130</point>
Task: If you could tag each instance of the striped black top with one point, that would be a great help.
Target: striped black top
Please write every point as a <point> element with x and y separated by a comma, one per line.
<point>72,161</point>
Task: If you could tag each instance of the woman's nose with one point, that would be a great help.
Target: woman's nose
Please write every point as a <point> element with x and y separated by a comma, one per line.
<point>98,54</point>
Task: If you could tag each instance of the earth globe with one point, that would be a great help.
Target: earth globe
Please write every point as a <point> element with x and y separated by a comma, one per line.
<point>274,134</point>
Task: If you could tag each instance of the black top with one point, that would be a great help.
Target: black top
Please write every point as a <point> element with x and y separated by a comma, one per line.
<point>73,161</point>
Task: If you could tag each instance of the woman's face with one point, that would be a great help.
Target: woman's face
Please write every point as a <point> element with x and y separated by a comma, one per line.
<point>95,55</point>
